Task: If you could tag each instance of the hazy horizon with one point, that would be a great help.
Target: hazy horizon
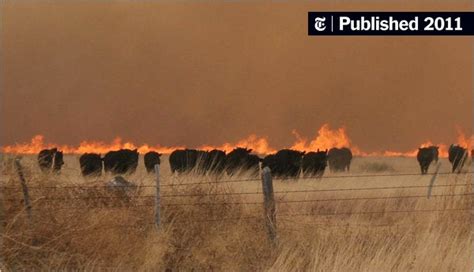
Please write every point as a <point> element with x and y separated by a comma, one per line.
<point>208,73</point>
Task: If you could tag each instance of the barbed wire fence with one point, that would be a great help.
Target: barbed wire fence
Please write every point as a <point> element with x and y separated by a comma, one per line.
<point>268,203</point>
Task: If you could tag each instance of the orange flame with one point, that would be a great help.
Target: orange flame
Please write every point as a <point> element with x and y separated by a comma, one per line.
<point>462,140</point>
<point>443,151</point>
<point>465,141</point>
<point>258,145</point>
<point>37,144</point>
<point>325,138</point>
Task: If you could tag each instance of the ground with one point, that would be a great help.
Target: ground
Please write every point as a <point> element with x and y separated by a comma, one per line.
<point>402,221</point>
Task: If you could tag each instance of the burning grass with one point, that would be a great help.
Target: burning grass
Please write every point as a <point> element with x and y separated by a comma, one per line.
<point>91,228</point>
<point>325,138</point>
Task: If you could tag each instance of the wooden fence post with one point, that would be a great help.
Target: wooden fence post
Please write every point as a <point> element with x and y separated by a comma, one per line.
<point>269,204</point>
<point>26,195</point>
<point>157,197</point>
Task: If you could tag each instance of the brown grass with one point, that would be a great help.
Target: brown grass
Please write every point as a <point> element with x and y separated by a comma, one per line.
<point>89,228</point>
<point>376,167</point>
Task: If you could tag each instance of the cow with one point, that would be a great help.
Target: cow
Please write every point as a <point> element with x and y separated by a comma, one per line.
<point>286,163</point>
<point>269,161</point>
<point>425,156</point>
<point>58,161</point>
<point>435,150</point>
<point>314,163</point>
<point>151,159</point>
<point>215,162</point>
<point>121,161</point>
<point>50,160</point>
<point>240,159</point>
<point>253,165</point>
<point>457,157</point>
<point>182,160</point>
<point>339,159</point>
<point>202,162</point>
<point>91,164</point>
<point>45,159</point>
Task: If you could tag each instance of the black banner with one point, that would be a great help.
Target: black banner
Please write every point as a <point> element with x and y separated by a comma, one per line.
<point>391,23</point>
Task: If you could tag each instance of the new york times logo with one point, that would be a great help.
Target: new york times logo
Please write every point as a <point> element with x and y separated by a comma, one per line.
<point>391,23</point>
<point>319,23</point>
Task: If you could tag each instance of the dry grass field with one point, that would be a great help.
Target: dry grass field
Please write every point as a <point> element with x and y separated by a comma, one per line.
<point>76,224</point>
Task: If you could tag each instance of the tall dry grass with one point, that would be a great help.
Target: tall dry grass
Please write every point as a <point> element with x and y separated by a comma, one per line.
<point>86,227</point>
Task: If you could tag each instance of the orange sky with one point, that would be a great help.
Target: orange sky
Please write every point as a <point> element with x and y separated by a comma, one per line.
<point>191,74</point>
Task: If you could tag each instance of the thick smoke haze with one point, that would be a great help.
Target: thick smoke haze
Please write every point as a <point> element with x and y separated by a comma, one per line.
<point>190,73</point>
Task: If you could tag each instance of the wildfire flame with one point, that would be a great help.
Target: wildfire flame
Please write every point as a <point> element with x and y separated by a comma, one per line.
<point>443,151</point>
<point>465,141</point>
<point>37,144</point>
<point>325,138</point>
<point>258,145</point>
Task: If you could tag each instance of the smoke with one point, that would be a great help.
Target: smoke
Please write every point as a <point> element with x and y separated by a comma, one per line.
<point>190,74</point>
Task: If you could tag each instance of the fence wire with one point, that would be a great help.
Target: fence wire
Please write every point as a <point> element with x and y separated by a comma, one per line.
<point>128,202</point>
<point>139,207</point>
<point>234,181</point>
<point>131,197</point>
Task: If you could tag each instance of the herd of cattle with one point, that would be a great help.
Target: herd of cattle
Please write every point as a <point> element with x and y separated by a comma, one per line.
<point>457,156</point>
<point>285,163</point>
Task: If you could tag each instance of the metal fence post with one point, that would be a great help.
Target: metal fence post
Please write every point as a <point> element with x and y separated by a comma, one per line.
<point>26,195</point>
<point>157,197</point>
<point>269,203</point>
